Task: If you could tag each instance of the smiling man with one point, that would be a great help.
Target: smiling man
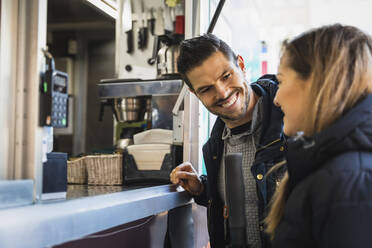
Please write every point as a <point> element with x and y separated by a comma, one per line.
<point>247,123</point>
<point>220,85</point>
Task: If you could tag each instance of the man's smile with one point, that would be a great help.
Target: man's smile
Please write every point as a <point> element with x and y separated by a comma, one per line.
<point>229,101</point>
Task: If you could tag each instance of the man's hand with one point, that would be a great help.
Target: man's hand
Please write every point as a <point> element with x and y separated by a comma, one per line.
<point>186,176</point>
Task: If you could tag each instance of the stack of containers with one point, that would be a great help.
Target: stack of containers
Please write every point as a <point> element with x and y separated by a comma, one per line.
<point>151,158</point>
<point>150,148</point>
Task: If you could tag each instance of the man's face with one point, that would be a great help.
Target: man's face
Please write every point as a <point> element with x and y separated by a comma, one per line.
<point>220,85</point>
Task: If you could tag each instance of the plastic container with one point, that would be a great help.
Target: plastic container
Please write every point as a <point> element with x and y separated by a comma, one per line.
<point>154,136</point>
<point>149,156</point>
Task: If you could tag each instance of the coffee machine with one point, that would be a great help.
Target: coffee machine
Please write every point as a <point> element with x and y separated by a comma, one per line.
<point>156,102</point>
<point>148,103</point>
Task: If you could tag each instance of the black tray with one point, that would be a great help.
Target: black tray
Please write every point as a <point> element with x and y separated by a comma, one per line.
<point>131,174</point>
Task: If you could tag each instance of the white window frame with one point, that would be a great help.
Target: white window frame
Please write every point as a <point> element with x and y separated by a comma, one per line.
<point>23,35</point>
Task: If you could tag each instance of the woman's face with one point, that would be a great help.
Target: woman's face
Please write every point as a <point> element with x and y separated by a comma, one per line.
<point>291,97</point>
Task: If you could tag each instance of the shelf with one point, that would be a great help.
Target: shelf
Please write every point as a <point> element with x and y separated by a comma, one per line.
<point>52,223</point>
<point>118,88</point>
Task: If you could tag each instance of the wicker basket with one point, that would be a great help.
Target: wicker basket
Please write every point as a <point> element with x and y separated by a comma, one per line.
<point>103,189</point>
<point>104,169</point>
<point>76,171</point>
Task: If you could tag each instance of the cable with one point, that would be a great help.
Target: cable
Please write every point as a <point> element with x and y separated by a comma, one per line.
<point>108,234</point>
<point>118,231</point>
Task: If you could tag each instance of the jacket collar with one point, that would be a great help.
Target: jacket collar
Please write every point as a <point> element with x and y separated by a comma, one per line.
<point>265,87</point>
<point>353,131</point>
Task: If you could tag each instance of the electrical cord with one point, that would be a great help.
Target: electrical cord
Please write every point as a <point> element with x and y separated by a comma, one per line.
<point>111,233</point>
<point>118,231</point>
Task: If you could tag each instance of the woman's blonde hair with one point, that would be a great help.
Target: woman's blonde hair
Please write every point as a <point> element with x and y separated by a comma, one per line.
<point>338,61</point>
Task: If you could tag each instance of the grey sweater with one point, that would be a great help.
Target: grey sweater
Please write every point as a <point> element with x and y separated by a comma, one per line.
<point>245,143</point>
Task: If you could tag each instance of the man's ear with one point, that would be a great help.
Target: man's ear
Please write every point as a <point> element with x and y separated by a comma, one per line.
<point>240,62</point>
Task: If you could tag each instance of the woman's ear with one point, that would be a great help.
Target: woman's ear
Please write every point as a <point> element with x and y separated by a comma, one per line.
<point>240,62</point>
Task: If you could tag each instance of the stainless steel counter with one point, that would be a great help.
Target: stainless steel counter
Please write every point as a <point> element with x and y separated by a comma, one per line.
<point>48,224</point>
<point>75,191</point>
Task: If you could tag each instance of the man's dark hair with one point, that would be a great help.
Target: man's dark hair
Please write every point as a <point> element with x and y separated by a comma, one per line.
<point>193,52</point>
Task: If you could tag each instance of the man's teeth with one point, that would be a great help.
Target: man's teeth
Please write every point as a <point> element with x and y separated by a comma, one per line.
<point>230,101</point>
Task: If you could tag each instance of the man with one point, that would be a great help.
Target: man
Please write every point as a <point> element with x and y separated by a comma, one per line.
<point>247,122</point>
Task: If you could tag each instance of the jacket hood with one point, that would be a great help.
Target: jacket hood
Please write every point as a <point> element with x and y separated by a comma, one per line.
<point>351,132</point>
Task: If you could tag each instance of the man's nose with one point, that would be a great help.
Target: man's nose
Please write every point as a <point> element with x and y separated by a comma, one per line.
<point>222,91</point>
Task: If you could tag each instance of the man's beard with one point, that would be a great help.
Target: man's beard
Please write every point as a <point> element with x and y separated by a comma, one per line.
<point>243,109</point>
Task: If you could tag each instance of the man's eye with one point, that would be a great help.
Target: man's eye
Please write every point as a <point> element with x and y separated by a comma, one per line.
<point>225,77</point>
<point>204,90</point>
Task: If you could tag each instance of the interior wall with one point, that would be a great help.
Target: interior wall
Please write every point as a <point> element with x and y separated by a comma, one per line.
<point>82,33</point>
<point>95,60</point>
<point>101,65</point>
<point>58,46</point>
<point>137,59</point>
<point>80,92</point>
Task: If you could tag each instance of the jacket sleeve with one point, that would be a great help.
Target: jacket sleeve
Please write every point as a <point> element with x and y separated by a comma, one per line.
<point>347,225</point>
<point>202,199</point>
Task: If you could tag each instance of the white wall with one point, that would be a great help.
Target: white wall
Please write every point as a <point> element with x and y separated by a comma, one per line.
<point>283,19</point>
<point>137,59</point>
<point>351,12</point>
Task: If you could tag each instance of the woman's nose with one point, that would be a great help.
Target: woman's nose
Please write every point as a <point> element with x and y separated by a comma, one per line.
<point>276,102</point>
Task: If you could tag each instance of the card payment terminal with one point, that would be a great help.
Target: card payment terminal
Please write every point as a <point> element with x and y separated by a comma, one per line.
<point>53,96</point>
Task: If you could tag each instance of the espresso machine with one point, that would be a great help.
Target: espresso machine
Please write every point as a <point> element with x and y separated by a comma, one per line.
<point>146,104</point>
<point>156,107</point>
<point>156,103</point>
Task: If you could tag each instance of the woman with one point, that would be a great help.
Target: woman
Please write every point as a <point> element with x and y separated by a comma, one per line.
<point>325,199</point>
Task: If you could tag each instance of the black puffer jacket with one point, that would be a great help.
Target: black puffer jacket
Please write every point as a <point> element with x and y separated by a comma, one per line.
<point>330,200</point>
<point>269,152</point>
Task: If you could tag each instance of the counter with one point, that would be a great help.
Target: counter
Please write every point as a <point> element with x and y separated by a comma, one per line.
<point>51,223</point>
